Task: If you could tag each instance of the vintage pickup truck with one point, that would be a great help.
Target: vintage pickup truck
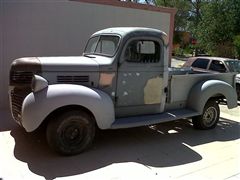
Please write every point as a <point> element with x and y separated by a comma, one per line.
<point>121,81</point>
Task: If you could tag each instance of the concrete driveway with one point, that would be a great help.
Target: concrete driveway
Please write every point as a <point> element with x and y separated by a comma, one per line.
<point>166,151</point>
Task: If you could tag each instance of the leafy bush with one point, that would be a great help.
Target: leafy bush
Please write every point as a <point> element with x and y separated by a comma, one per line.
<point>236,43</point>
<point>179,52</point>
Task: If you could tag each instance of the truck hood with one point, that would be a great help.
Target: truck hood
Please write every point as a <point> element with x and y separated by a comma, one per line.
<point>77,63</point>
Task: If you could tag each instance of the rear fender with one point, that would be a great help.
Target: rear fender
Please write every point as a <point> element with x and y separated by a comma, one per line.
<point>202,92</point>
<point>37,106</point>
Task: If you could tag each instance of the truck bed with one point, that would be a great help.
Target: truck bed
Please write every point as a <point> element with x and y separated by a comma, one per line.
<point>181,81</point>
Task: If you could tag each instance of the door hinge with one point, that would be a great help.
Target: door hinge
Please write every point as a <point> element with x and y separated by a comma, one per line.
<point>166,89</point>
<point>115,98</point>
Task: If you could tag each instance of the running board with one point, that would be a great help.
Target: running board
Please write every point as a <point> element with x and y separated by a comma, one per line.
<point>145,120</point>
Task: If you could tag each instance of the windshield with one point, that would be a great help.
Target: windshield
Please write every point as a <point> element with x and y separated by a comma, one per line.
<point>105,45</point>
<point>233,65</point>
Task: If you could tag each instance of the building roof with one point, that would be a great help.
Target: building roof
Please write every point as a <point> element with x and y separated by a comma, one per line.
<point>131,5</point>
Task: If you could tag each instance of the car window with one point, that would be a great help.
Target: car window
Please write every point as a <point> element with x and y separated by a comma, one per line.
<point>142,51</point>
<point>233,65</point>
<point>200,63</point>
<point>217,66</point>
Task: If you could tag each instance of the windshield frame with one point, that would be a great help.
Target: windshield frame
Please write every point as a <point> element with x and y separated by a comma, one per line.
<point>98,36</point>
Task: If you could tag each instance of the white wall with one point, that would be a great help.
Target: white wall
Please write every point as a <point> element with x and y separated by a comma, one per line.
<point>59,28</point>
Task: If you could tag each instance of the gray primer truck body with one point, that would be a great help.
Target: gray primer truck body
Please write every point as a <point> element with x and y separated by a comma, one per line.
<point>122,80</point>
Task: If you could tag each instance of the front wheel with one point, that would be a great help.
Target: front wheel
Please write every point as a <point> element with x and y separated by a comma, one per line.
<point>71,132</point>
<point>209,117</point>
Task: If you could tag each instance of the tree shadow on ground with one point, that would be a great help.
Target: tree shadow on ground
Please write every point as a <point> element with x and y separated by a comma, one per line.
<point>162,145</point>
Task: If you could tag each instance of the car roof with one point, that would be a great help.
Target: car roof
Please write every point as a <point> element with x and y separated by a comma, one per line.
<point>212,57</point>
<point>191,60</point>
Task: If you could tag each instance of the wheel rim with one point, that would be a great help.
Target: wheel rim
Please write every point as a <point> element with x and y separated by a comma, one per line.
<point>72,133</point>
<point>210,116</point>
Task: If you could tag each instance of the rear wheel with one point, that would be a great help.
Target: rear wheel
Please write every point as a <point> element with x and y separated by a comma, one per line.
<point>238,91</point>
<point>71,132</point>
<point>209,118</point>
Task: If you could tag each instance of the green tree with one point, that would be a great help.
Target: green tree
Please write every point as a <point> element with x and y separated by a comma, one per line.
<point>236,43</point>
<point>218,26</point>
<point>215,23</point>
<point>183,9</point>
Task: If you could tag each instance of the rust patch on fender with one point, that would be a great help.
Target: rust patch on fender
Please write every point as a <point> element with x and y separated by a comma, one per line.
<point>106,79</point>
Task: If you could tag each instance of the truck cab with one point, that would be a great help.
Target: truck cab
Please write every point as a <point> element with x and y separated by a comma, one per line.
<point>134,55</point>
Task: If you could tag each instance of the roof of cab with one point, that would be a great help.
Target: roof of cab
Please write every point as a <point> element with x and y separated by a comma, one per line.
<point>125,31</point>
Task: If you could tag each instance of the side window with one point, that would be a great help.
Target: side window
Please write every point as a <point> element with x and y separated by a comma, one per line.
<point>200,63</point>
<point>143,51</point>
<point>217,66</point>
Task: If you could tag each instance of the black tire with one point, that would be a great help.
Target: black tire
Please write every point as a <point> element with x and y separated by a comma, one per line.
<point>71,132</point>
<point>238,91</point>
<point>209,118</point>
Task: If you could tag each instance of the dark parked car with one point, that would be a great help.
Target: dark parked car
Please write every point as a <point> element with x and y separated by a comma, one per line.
<point>214,65</point>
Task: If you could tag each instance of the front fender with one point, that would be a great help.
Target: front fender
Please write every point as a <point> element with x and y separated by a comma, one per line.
<point>37,106</point>
<point>202,92</point>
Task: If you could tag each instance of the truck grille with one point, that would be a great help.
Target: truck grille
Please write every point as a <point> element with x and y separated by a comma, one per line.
<point>21,81</point>
<point>20,77</point>
<point>73,79</point>
<point>17,97</point>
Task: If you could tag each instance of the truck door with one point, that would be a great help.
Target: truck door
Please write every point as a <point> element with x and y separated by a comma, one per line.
<point>140,81</point>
